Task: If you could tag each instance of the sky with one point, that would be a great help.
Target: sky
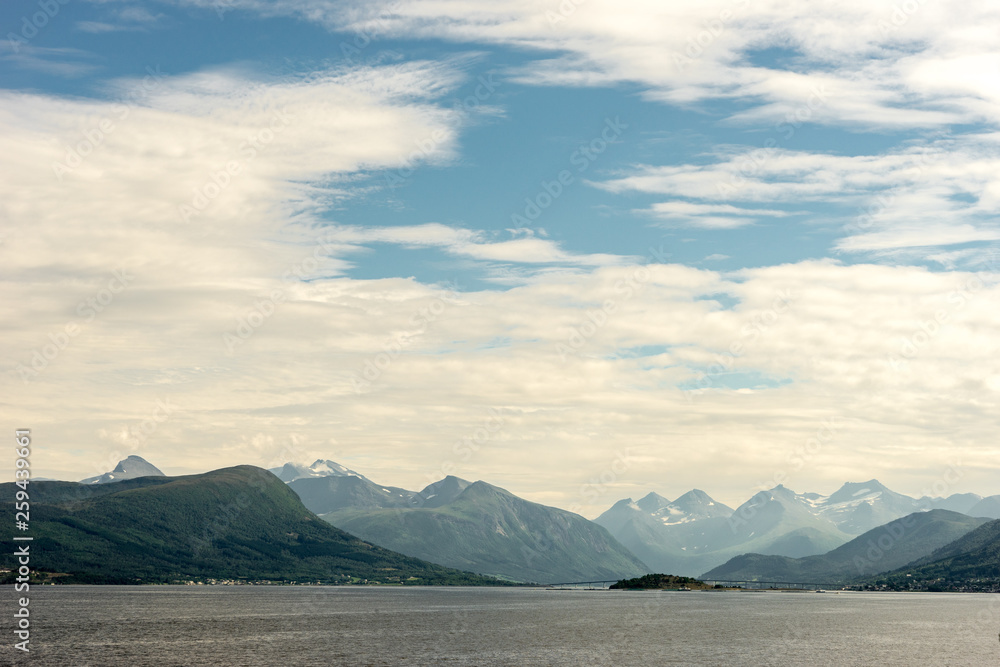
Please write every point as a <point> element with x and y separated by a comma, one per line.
<point>582,250</point>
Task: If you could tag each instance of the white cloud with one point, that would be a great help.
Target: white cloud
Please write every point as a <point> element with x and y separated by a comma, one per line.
<point>711,216</point>
<point>919,237</point>
<point>553,356</point>
<point>202,169</point>
<point>471,244</point>
<point>940,194</point>
<point>98,27</point>
<point>584,356</point>
<point>125,19</point>
<point>120,302</point>
<point>92,186</point>
<point>60,61</point>
<point>858,63</point>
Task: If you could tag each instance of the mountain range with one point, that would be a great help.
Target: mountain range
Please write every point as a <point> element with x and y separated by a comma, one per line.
<point>467,525</point>
<point>695,534</point>
<point>133,518</point>
<point>239,524</point>
<point>878,550</point>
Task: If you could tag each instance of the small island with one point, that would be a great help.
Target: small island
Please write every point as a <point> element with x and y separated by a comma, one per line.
<point>662,582</point>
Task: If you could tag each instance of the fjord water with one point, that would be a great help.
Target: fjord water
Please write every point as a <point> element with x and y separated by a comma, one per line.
<point>289,626</point>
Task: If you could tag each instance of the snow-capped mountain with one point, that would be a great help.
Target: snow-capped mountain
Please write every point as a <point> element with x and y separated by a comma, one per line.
<point>320,468</point>
<point>670,536</point>
<point>782,522</point>
<point>692,506</point>
<point>858,507</point>
<point>694,533</point>
<point>128,468</point>
<point>326,486</point>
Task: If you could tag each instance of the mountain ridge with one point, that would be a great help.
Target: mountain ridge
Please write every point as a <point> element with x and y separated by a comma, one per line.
<point>239,523</point>
<point>881,549</point>
<point>489,530</point>
<point>471,525</point>
<point>130,467</point>
<point>776,521</point>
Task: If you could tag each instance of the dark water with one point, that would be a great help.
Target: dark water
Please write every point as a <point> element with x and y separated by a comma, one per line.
<point>287,626</point>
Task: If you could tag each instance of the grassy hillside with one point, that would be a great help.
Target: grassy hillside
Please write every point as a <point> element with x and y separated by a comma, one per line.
<point>234,523</point>
<point>879,550</point>
<point>972,562</point>
<point>489,530</point>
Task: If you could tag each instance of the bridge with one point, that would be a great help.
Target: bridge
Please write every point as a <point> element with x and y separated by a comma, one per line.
<point>755,585</point>
<point>584,585</point>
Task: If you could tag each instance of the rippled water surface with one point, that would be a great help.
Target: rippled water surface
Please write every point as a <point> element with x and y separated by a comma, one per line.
<point>287,626</point>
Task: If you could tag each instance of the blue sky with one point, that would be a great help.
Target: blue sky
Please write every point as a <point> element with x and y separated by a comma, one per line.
<point>505,153</point>
<point>448,192</point>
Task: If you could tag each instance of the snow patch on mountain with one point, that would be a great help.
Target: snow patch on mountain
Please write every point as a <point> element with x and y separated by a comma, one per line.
<point>320,468</point>
<point>128,468</point>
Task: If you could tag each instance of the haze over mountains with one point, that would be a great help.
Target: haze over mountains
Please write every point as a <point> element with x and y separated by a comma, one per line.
<point>687,539</point>
<point>687,536</point>
<point>468,525</point>
<point>861,530</point>
<point>878,550</point>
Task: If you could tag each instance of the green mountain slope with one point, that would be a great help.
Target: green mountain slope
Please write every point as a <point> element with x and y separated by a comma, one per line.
<point>972,562</point>
<point>878,550</point>
<point>234,523</point>
<point>489,530</point>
